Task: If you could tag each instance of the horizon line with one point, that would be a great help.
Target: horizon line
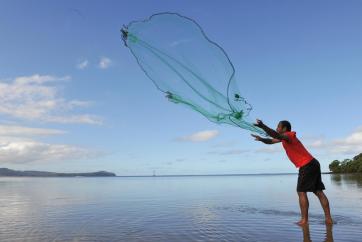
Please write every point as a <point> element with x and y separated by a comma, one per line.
<point>236,174</point>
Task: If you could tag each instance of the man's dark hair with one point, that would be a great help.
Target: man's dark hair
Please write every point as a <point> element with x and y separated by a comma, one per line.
<point>286,124</point>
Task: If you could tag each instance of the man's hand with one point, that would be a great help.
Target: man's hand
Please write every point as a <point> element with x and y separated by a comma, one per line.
<point>259,123</point>
<point>257,137</point>
<point>277,137</point>
<point>265,141</point>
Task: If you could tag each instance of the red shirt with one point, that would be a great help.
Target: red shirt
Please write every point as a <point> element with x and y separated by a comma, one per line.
<point>295,150</point>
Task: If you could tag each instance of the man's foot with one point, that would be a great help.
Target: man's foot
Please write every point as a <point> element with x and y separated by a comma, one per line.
<point>329,221</point>
<point>302,222</point>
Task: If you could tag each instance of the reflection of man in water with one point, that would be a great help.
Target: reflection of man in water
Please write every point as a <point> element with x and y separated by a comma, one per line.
<point>328,238</point>
<point>309,177</point>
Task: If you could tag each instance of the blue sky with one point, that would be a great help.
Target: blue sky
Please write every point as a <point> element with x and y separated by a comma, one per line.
<point>74,99</point>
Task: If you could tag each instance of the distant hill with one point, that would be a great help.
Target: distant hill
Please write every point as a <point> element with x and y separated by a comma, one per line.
<point>9,172</point>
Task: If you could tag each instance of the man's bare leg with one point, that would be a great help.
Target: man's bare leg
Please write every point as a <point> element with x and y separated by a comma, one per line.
<point>325,205</point>
<point>304,205</point>
<point>329,233</point>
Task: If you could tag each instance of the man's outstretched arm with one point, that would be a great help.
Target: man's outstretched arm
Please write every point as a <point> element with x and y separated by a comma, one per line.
<point>265,140</point>
<point>271,132</point>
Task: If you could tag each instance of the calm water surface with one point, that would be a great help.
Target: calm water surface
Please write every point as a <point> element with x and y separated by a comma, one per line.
<point>208,208</point>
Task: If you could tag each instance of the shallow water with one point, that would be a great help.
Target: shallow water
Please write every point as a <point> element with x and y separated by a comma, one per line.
<point>205,208</point>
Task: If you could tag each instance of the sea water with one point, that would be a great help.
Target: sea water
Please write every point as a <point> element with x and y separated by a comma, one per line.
<point>186,208</point>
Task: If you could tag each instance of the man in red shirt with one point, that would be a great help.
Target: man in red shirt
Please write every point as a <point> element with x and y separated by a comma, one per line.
<point>309,177</point>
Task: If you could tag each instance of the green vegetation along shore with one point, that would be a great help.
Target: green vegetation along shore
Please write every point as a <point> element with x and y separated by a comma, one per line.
<point>347,166</point>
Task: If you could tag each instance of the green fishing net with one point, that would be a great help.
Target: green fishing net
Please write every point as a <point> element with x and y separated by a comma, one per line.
<point>175,53</point>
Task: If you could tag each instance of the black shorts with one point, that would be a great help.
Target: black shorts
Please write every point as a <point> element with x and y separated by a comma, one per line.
<point>309,177</point>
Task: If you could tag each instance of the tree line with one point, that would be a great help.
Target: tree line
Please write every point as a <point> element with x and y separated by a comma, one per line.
<point>347,166</point>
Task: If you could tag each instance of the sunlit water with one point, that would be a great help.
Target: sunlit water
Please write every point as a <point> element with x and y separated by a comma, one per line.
<point>207,208</point>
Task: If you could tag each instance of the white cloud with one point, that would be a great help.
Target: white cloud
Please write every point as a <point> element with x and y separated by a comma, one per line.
<point>225,144</point>
<point>76,103</point>
<point>104,62</point>
<point>88,119</point>
<point>15,130</point>
<point>229,152</point>
<point>34,98</point>
<point>24,150</point>
<point>270,149</point>
<point>83,64</point>
<point>38,79</point>
<point>18,146</point>
<point>350,145</point>
<point>200,136</point>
